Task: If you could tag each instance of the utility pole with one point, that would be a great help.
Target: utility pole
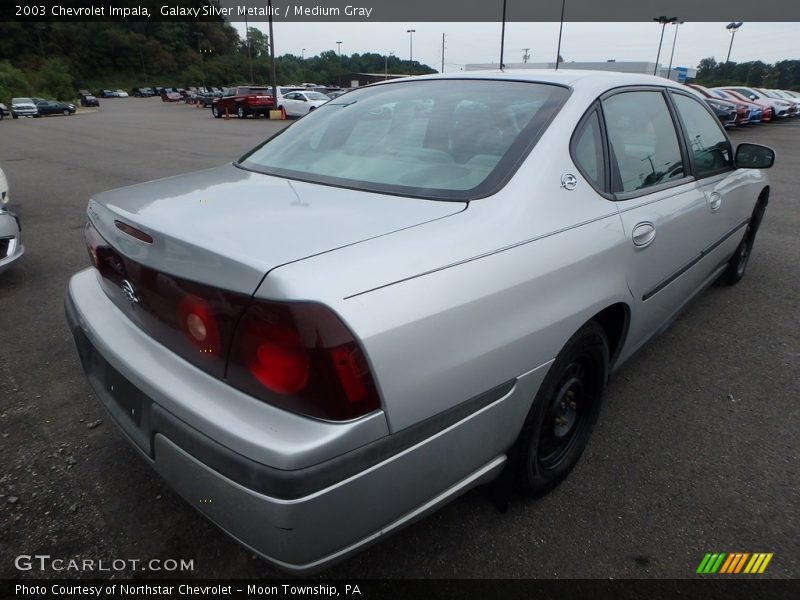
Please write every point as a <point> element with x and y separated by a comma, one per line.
<point>442,71</point>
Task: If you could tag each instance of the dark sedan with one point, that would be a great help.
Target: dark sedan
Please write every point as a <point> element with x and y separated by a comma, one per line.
<point>89,100</point>
<point>54,107</point>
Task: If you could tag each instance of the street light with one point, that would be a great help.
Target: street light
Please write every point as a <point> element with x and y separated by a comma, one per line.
<point>663,20</point>
<point>733,28</point>
<point>672,54</point>
<point>386,65</point>
<point>340,63</point>
<point>410,33</point>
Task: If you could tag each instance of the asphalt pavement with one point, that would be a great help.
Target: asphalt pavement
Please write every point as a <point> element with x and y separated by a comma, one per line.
<point>696,449</point>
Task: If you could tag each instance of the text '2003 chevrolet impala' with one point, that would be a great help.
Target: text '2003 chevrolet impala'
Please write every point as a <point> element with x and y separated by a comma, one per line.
<point>422,284</point>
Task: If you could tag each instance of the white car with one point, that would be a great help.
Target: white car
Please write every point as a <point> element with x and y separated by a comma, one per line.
<point>11,247</point>
<point>297,104</point>
<point>121,93</point>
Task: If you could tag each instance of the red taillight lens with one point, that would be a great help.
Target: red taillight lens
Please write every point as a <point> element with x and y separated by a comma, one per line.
<point>301,357</point>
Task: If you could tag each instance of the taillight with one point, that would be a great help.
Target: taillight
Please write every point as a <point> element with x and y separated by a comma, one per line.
<point>300,356</point>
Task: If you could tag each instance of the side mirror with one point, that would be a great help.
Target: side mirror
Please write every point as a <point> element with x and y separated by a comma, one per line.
<point>754,156</point>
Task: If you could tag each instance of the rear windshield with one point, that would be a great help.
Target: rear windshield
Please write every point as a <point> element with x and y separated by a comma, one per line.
<point>441,139</point>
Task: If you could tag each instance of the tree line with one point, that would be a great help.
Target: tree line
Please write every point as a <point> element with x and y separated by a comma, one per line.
<point>56,59</point>
<point>783,75</point>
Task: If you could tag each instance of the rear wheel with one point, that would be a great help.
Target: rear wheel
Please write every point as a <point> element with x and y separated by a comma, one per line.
<point>14,116</point>
<point>241,112</point>
<point>563,413</point>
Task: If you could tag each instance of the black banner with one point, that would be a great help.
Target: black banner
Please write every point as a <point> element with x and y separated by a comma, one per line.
<point>411,11</point>
<point>729,588</point>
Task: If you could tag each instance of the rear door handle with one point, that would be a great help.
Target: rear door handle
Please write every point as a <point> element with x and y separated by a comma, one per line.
<point>714,201</point>
<point>643,234</point>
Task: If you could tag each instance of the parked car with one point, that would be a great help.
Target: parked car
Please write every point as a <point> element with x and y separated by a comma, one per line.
<point>297,104</point>
<point>766,109</point>
<point>206,99</point>
<point>23,107</point>
<point>779,95</point>
<point>3,111</point>
<point>243,101</point>
<point>107,94</point>
<point>743,111</point>
<point>89,100</point>
<point>171,97</point>
<point>400,307</point>
<point>781,109</point>
<point>335,93</point>
<point>11,248</point>
<point>54,107</point>
<point>142,92</point>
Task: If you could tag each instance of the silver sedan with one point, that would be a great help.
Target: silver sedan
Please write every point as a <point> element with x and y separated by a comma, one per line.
<point>421,286</point>
<point>11,248</point>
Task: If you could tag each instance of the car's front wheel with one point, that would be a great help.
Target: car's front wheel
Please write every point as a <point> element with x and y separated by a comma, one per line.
<point>215,111</point>
<point>563,413</point>
<point>241,112</point>
<point>737,265</point>
<point>66,112</point>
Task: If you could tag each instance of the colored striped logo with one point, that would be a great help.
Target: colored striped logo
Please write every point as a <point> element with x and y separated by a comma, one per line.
<point>734,563</point>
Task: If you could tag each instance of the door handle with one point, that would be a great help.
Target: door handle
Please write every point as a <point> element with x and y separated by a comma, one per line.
<point>643,234</point>
<point>714,201</point>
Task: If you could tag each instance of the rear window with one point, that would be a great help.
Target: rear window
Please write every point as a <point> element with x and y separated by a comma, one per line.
<point>441,139</point>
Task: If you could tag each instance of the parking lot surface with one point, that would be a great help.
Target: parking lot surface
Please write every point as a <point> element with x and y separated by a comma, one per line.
<point>696,450</point>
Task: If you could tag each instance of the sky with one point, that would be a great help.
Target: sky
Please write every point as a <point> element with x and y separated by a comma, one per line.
<point>480,42</point>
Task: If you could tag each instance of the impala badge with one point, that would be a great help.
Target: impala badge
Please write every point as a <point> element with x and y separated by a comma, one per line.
<point>129,291</point>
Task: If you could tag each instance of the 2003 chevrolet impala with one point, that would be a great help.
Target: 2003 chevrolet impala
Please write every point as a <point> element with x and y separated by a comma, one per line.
<point>421,284</point>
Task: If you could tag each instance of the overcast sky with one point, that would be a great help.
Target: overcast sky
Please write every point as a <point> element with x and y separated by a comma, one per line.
<point>480,42</point>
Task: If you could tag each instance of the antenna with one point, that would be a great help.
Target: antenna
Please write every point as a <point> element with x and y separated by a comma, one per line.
<point>503,36</point>
<point>560,30</point>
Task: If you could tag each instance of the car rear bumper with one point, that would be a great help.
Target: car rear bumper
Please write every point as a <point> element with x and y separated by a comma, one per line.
<point>299,519</point>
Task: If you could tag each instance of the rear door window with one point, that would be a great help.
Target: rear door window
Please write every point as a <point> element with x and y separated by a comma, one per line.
<point>643,140</point>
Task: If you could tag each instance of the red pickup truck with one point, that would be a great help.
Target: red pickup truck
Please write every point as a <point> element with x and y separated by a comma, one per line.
<point>242,101</point>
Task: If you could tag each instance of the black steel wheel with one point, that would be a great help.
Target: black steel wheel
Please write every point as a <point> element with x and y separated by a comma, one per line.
<point>563,413</point>
<point>737,265</point>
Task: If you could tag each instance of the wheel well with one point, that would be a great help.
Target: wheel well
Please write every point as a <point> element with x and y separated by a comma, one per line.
<point>763,197</point>
<point>614,320</point>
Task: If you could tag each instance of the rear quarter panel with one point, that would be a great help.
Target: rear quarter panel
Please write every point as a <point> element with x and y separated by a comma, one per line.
<point>452,308</point>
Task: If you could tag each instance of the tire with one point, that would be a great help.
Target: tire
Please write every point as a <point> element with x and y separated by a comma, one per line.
<point>241,112</point>
<point>215,112</point>
<point>737,265</point>
<point>66,112</point>
<point>14,116</point>
<point>563,413</point>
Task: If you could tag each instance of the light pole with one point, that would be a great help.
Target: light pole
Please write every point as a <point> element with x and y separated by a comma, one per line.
<point>386,65</point>
<point>202,63</point>
<point>672,54</point>
<point>733,28</point>
<point>410,33</point>
<point>340,63</point>
<point>663,20</point>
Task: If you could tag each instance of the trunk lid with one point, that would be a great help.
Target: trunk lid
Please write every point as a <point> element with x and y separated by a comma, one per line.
<point>227,227</point>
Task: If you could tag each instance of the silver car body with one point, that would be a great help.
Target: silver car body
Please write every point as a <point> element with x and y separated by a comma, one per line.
<point>11,248</point>
<point>460,307</point>
<point>23,107</point>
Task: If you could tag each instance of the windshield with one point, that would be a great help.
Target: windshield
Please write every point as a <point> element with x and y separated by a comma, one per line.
<point>443,139</point>
<point>21,101</point>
